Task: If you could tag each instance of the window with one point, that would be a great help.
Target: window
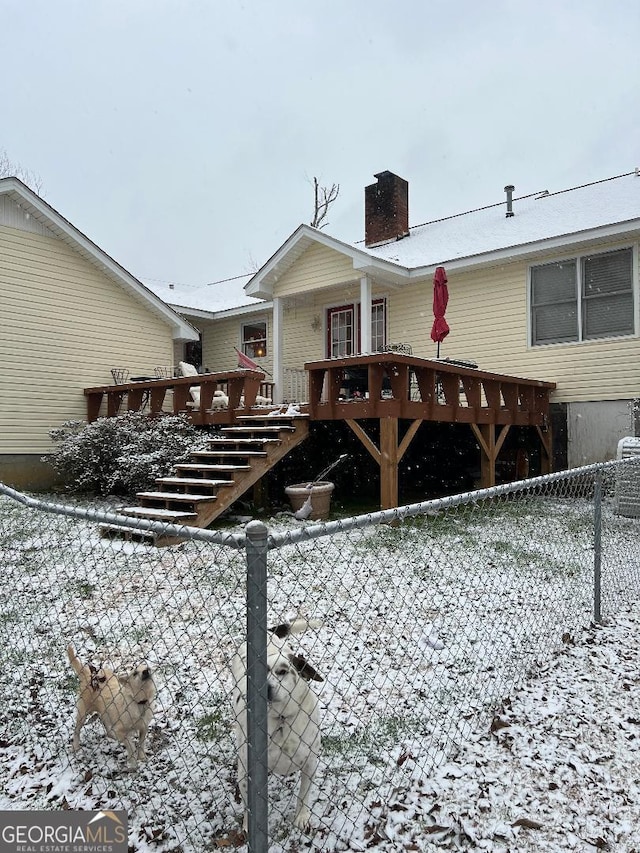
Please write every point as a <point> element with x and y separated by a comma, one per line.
<point>343,335</point>
<point>193,352</point>
<point>254,340</point>
<point>340,331</point>
<point>378,325</point>
<point>583,298</point>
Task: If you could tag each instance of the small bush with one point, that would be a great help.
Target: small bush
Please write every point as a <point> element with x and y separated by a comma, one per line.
<point>124,454</point>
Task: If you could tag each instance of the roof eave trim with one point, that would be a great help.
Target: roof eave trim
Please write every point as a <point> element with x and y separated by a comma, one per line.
<point>180,328</point>
<point>222,313</point>
<point>564,241</point>
<point>261,285</point>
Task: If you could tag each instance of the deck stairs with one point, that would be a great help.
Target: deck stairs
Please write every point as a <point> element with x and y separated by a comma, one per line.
<point>200,490</point>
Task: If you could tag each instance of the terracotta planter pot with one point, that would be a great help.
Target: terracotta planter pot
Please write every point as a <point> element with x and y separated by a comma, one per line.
<point>320,498</point>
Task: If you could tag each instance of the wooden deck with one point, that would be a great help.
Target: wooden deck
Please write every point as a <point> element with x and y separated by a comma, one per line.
<point>404,387</point>
<point>391,387</point>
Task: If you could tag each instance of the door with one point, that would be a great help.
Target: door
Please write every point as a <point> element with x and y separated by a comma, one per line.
<point>341,331</point>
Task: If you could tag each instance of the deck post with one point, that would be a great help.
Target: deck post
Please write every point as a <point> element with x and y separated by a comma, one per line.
<point>546,440</point>
<point>388,463</point>
<point>486,436</point>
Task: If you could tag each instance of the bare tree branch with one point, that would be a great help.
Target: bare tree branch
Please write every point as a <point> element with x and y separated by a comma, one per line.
<point>323,199</point>
<point>9,169</point>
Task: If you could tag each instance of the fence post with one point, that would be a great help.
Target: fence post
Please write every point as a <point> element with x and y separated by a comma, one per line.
<point>597,546</point>
<point>257,745</point>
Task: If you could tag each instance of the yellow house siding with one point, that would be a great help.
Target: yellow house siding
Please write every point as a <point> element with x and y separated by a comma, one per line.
<point>220,337</point>
<point>317,267</point>
<point>301,341</point>
<point>488,316</point>
<point>64,326</point>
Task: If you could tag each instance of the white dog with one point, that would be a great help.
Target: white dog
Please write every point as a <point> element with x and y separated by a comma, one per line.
<point>293,715</point>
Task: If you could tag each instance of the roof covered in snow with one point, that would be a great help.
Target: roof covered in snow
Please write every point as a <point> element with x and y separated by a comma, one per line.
<point>541,222</point>
<point>538,217</point>
<point>206,299</point>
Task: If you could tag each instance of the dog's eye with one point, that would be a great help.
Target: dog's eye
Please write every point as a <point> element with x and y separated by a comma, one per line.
<point>282,670</point>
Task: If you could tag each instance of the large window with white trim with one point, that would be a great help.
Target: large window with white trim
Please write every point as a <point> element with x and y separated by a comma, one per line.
<point>583,298</point>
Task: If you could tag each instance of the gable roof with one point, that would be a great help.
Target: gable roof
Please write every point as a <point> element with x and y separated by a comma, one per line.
<point>543,222</point>
<point>36,208</point>
<point>209,301</point>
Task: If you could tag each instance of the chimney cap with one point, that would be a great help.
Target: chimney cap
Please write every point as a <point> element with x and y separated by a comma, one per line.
<point>384,174</point>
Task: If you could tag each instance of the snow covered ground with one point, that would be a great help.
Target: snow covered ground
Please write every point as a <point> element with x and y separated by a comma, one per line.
<point>558,768</point>
<point>429,627</point>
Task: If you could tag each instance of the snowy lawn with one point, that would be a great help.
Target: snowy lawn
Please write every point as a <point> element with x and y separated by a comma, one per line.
<point>429,626</point>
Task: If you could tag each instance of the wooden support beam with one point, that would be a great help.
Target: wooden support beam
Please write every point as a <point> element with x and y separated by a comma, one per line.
<point>408,438</point>
<point>388,463</point>
<point>489,449</point>
<point>388,455</point>
<point>94,401</point>
<point>546,457</point>
<point>366,441</point>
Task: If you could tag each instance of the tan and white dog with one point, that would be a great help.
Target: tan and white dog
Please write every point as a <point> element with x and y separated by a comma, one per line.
<point>124,703</point>
<point>293,718</point>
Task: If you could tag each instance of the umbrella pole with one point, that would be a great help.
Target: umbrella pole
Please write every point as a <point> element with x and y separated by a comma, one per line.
<point>438,353</point>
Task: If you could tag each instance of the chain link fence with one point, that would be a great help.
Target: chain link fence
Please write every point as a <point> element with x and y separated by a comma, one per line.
<point>430,616</point>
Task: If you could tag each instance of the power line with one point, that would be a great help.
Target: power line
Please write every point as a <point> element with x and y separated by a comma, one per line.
<point>206,284</point>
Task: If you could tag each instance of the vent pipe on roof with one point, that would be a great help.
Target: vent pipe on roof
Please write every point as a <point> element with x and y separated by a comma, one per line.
<point>509,191</point>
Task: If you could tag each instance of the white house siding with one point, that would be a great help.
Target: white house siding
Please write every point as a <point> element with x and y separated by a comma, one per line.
<point>64,326</point>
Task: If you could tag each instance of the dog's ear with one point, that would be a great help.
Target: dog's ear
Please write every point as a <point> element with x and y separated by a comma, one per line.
<point>304,668</point>
<point>281,631</point>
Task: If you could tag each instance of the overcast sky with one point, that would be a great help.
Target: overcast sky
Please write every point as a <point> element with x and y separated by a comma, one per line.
<point>183,136</point>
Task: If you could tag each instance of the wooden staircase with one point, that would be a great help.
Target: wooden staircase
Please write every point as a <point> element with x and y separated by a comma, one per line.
<point>200,490</point>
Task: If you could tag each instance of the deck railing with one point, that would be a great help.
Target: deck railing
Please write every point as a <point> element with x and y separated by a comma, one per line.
<point>405,386</point>
<point>155,396</point>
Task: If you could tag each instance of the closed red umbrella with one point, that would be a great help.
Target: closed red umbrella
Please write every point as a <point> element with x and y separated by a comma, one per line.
<point>440,328</point>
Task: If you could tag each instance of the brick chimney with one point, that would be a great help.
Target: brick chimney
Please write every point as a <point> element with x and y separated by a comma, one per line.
<point>386,209</point>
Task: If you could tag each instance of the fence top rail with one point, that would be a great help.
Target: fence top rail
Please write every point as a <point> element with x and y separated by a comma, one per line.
<point>230,540</point>
<point>327,528</point>
<point>238,541</point>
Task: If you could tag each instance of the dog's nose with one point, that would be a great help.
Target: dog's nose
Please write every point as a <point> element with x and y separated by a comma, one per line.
<point>146,674</point>
<point>269,693</point>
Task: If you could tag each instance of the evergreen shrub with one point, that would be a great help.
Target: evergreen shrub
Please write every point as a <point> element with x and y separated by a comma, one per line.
<point>124,454</point>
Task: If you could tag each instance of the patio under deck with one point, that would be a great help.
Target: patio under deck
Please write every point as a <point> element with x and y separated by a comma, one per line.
<point>394,387</point>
